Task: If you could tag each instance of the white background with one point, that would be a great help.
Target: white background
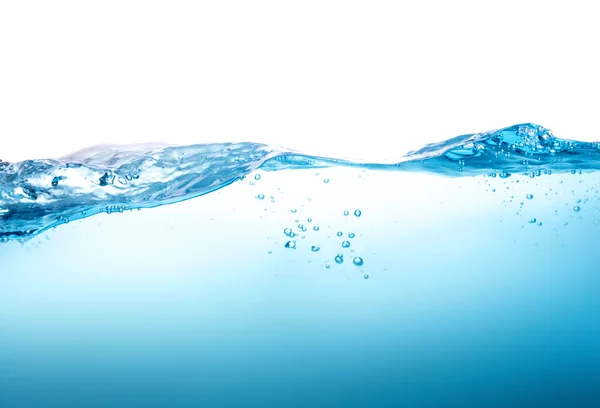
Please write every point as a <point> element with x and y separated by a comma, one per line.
<point>365,80</point>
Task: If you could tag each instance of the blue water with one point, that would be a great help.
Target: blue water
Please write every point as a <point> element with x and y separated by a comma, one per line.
<point>463,274</point>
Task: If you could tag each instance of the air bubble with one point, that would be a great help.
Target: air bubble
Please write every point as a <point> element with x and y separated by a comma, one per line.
<point>326,181</point>
<point>532,221</point>
<point>257,177</point>
<point>346,213</point>
<point>339,258</point>
<point>315,248</point>
<point>366,276</point>
<point>316,228</point>
<point>339,234</point>
<point>346,244</point>
<point>288,232</point>
<point>529,196</point>
<point>351,235</point>
<point>260,196</point>
<point>290,244</point>
<point>293,211</point>
<point>577,208</point>
<point>358,261</point>
<point>357,213</point>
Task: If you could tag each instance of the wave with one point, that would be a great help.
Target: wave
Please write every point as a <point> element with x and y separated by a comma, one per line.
<point>36,195</point>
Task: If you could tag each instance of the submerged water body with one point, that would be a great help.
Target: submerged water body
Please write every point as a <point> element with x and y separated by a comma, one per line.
<point>462,274</point>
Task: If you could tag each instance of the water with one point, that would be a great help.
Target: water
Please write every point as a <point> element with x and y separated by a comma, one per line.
<point>446,296</point>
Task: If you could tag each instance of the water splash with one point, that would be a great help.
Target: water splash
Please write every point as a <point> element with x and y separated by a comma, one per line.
<point>36,195</point>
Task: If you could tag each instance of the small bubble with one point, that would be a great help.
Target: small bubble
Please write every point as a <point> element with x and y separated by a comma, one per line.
<point>346,244</point>
<point>327,266</point>
<point>290,244</point>
<point>293,211</point>
<point>4,240</point>
<point>539,224</point>
<point>309,220</point>
<point>351,235</point>
<point>315,248</point>
<point>366,276</point>
<point>346,213</point>
<point>358,261</point>
<point>260,196</point>
<point>257,177</point>
<point>339,258</point>
<point>357,213</point>
<point>339,234</point>
<point>529,196</point>
<point>577,208</point>
<point>532,221</point>
<point>326,181</point>
<point>270,252</point>
<point>493,190</point>
<point>316,228</point>
<point>288,232</point>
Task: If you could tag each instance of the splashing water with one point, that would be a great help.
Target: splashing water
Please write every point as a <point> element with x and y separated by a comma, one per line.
<point>36,195</point>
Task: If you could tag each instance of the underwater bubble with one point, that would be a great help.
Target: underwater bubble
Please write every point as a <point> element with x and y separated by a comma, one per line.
<point>4,240</point>
<point>309,220</point>
<point>293,211</point>
<point>357,213</point>
<point>55,181</point>
<point>346,213</point>
<point>316,228</point>
<point>339,234</point>
<point>339,258</point>
<point>529,196</point>
<point>327,266</point>
<point>540,224</point>
<point>326,181</point>
<point>315,248</point>
<point>532,220</point>
<point>260,196</point>
<point>290,244</point>
<point>257,177</point>
<point>346,244</point>
<point>270,252</point>
<point>366,276</point>
<point>351,235</point>
<point>358,261</point>
<point>288,232</point>
<point>577,208</point>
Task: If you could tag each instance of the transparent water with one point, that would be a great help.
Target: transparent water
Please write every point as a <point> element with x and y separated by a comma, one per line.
<point>464,274</point>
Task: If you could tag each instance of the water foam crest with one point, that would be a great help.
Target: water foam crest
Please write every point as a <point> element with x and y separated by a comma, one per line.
<point>39,194</point>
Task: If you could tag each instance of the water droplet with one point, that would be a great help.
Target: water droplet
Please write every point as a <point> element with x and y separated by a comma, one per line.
<point>529,196</point>
<point>257,177</point>
<point>357,213</point>
<point>290,244</point>
<point>260,196</point>
<point>532,221</point>
<point>366,276</point>
<point>351,235</point>
<point>339,258</point>
<point>358,261</point>
<point>339,234</point>
<point>346,213</point>
<point>577,208</point>
<point>326,181</point>
<point>315,248</point>
<point>346,244</point>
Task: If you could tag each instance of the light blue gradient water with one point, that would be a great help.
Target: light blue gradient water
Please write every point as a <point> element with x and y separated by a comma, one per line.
<point>199,303</point>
